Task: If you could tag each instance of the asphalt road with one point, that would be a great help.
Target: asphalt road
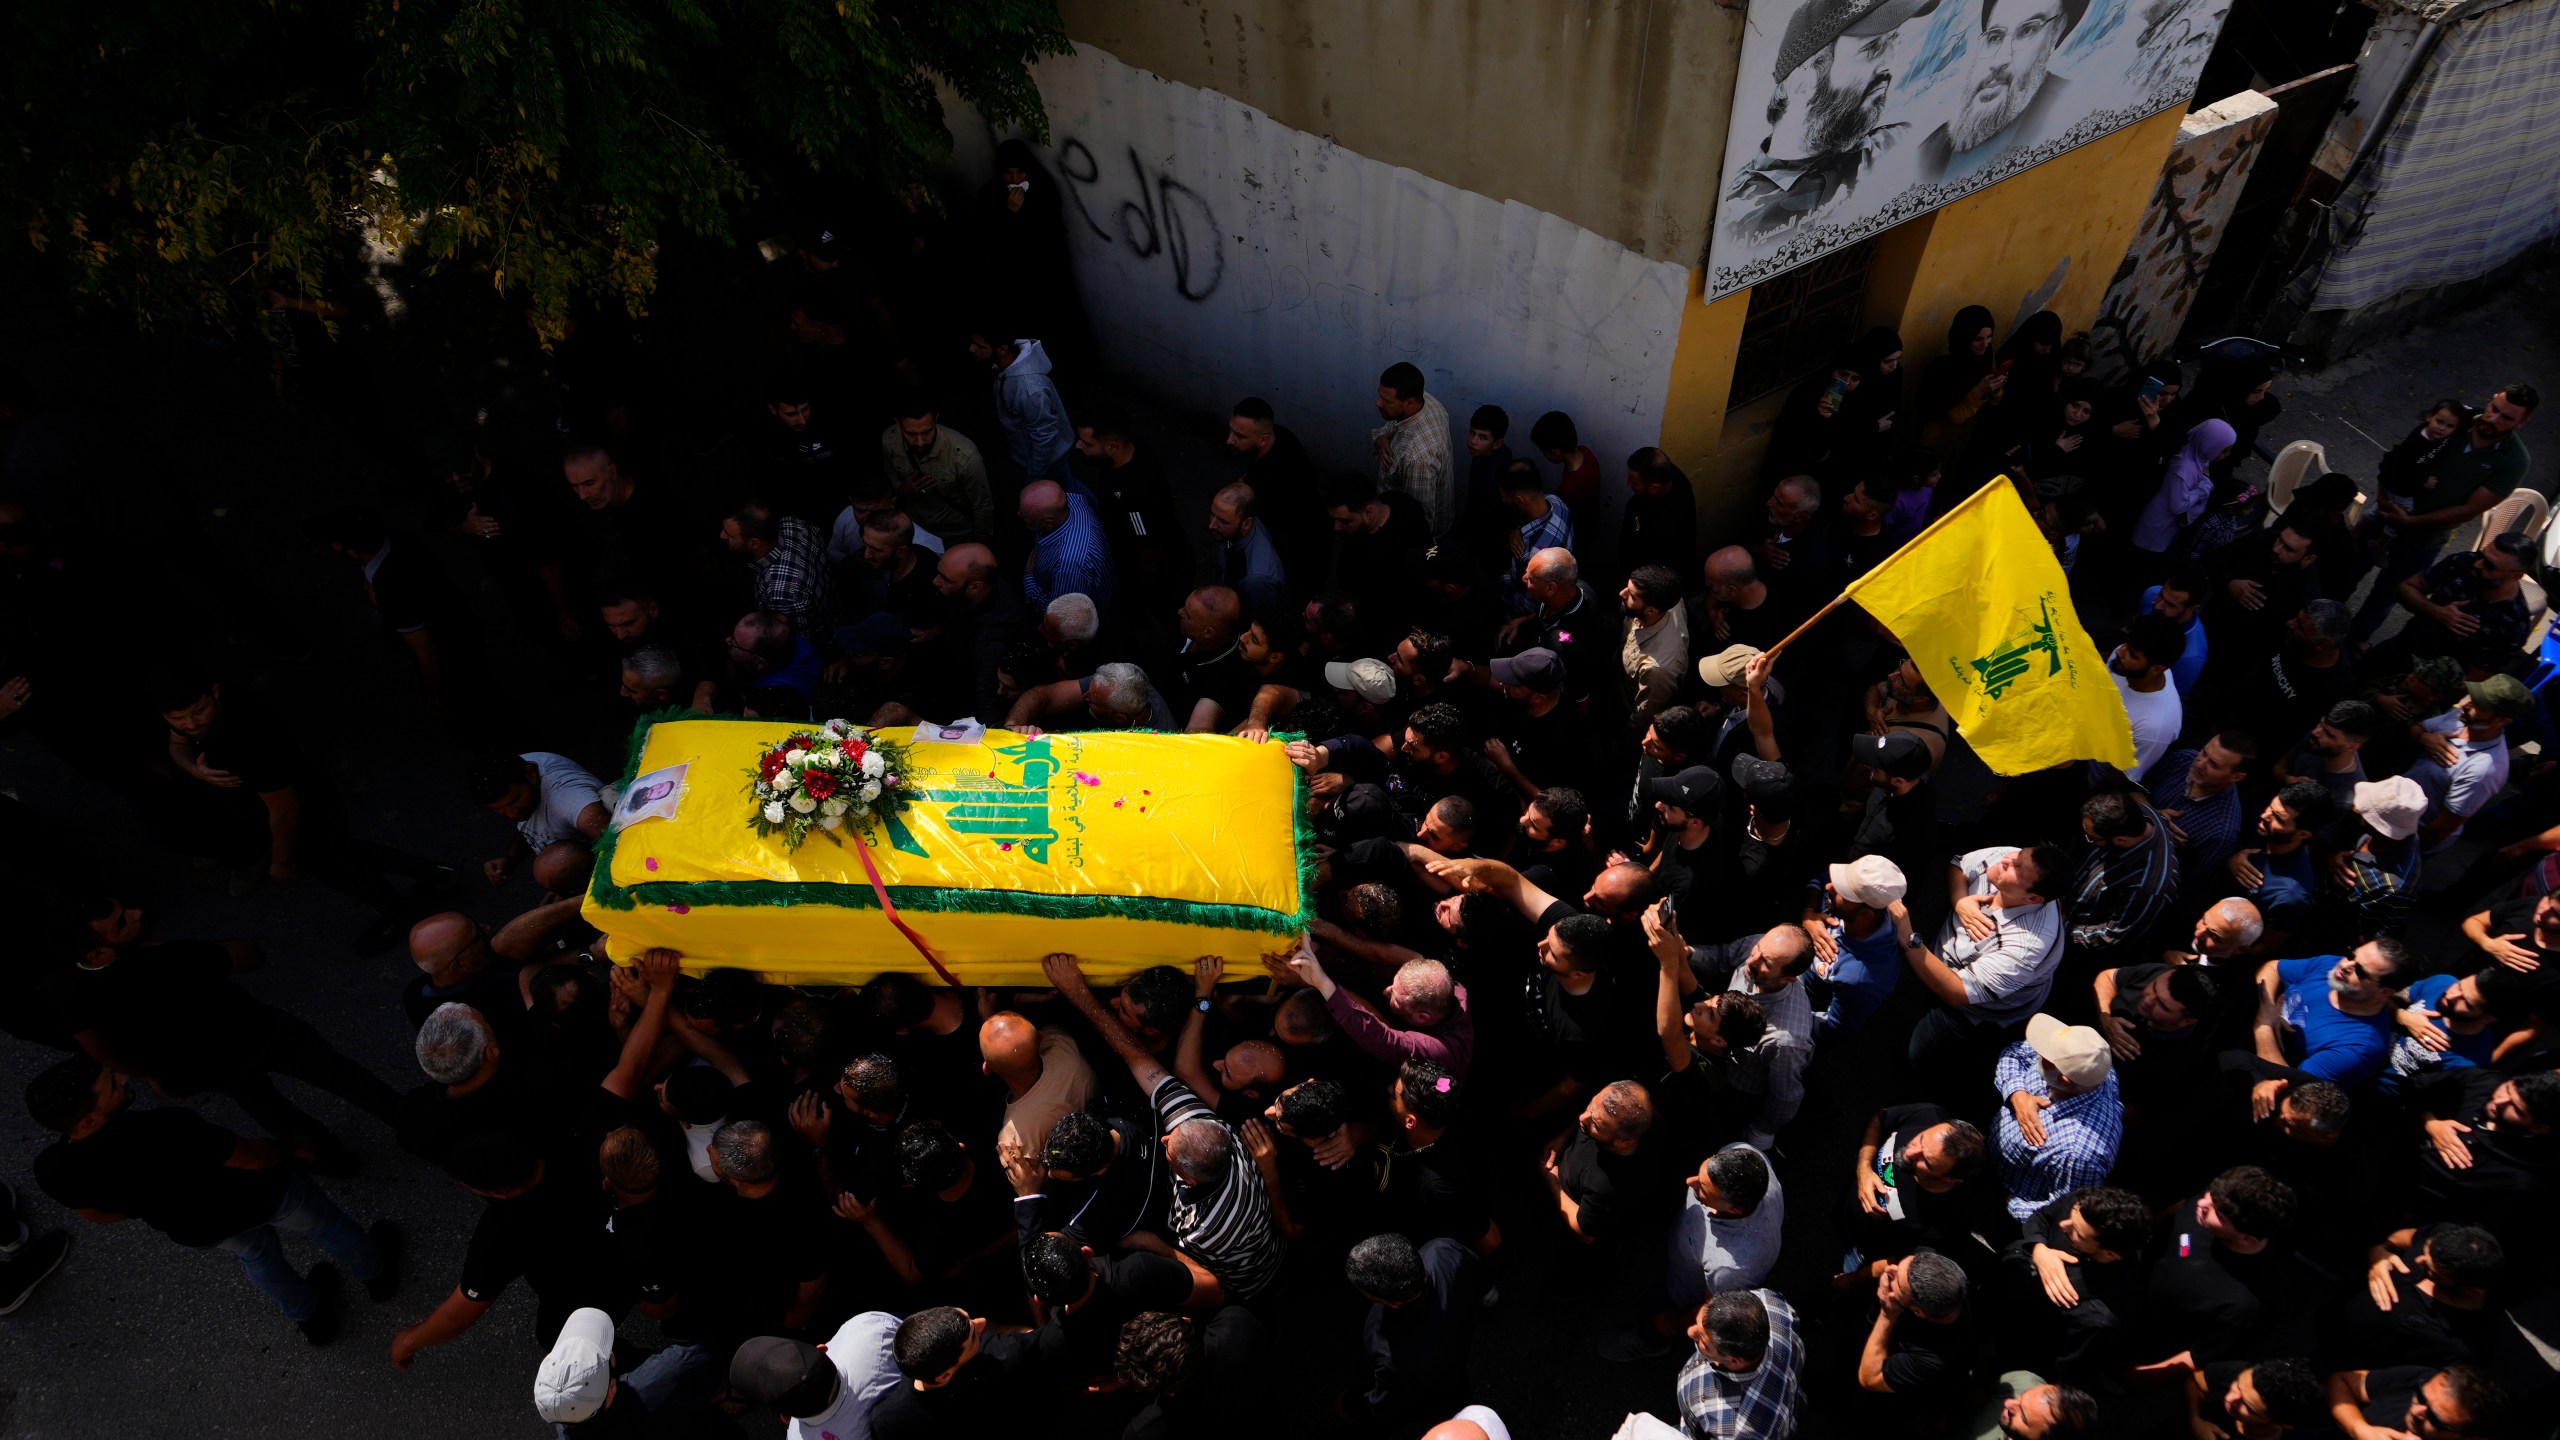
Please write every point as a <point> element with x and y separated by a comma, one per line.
<point>140,1339</point>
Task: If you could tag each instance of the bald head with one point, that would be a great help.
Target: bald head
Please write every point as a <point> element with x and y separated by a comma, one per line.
<point>1622,890</point>
<point>1456,1430</point>
<point>1010,1044</point>
<point>965,572</point>
<point>446,944</point>
<point>1554,565</point>
<point>1731,566</point>
<point>1043,506</point>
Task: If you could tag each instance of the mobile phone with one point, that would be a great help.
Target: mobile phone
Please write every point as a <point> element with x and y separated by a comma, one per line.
<point>1838,391</point>
<point>2152,385</point>
<point>2002,369</point>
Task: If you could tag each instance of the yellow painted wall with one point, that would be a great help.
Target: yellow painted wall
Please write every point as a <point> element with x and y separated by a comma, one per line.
<point>2049,239</point>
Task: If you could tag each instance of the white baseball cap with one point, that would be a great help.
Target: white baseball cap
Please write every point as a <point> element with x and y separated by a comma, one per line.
<point>1371,680</point>
<point>2078,1051</point>
<point>577,1376</point>
<point>2393,806</point>
<point>1869,880</point>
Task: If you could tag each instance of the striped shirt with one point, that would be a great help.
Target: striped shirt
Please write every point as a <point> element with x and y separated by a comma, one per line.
<point>1074,559</point>
<point>1225,1224</point>
<point>1773,1068</point>
<point>2120,892</point>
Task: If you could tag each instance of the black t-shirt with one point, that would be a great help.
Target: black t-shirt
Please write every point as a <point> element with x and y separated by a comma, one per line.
<point>1772,876</point>
<point>249,741</point>
<point>1132,1195</point>
<point>1230,1393</point>
<point>1927,1363</point>
<point>161,1005</point>
<point>754,1256</point>
<point>1928,1217</point>
<point>658,1242</point>
<point>1221,677</point>
<point>2540,986</point>
<point>1605,1033</point>
<point>2359,1334</point>
<point>976,1402</point>
<point>1614,1191</point>
<point>164,1167</point>
<point>552,1236</point>
<point>941,1234</point>
<point>1442,1189</point>
<point>411,592</point>
<point>2388,1392</point>
<point>2200,1295</point>
<point>1554,749</point>
<point>1076,1347</point>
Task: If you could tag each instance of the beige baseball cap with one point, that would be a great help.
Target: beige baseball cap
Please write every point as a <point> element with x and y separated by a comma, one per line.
<point>1869,880</point>
<point>2078,1051</point>
<point>1371,680</point>
<point>2393,806</point>
<point>1725,667</point>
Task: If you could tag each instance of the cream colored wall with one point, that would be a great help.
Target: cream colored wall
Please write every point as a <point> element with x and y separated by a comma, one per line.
<point>1609,113</point>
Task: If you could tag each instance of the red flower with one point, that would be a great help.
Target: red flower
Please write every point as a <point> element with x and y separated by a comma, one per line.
<point>771,765</point>
<point>819,783</point>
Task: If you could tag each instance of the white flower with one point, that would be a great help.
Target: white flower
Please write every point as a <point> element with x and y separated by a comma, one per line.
<point>830,822</point>
<point>773,812</point>
<point>870,791</point>
<point>835,805</point>
<point>839,727</point>
<point>786,780</point>
<point>796,759</point>
<point>804,802</point>
<point>873,763</point>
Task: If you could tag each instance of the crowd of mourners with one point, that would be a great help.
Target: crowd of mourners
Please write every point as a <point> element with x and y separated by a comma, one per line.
<point>2172,1125</point>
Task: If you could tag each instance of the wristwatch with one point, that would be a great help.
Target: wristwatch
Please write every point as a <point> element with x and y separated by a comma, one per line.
<point>1912,941</point>
<point>1204,1004</point>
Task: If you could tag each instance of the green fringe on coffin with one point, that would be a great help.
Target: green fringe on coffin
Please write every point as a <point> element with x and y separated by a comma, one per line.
<point>928,899</point>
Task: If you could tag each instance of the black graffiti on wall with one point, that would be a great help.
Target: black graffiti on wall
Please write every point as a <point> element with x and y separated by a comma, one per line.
<point>1167,218</point>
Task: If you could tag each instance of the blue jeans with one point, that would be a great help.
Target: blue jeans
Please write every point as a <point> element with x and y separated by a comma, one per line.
<point>680,1377</point>
<point>306,1210</point>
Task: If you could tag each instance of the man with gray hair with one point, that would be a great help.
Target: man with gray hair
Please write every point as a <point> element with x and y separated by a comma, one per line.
<point>1223,1199</point>
<point>1070,620</point>
<point>1116,697</point>
<point>653,679</point>
<point>1425,1007</point>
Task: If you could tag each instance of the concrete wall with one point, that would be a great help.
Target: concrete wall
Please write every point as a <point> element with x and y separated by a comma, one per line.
<point>1222,253</point>
<point>2181,231</point>
<point>1609,113</point>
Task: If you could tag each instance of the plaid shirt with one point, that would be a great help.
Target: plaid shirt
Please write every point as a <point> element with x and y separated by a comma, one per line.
<point>1417,462</point>
<point>1551,531</point>
<point>791,580</point>
<point>1755,1404</point>
<point>2080,1135</point>
<point>2120,893</point>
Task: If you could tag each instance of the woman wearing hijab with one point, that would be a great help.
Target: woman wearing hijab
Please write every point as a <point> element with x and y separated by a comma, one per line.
<point>1811,432</point>
<point>1874,423</point>
<point>1959,384</point>
<point>2185,489</point>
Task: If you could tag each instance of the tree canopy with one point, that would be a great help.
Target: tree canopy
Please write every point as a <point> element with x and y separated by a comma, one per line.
<point>172,159</point>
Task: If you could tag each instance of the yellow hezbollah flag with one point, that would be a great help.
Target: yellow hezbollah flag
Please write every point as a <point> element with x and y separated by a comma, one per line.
<point>1984,609</point>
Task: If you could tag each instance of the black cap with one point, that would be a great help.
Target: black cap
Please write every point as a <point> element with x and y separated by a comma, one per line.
<point>1694,789</point>
<point>793,1378</point>
<point>1763,780</point>
<point>1897,753</point>
<point>1363,813</point>
<point>1537,668</point>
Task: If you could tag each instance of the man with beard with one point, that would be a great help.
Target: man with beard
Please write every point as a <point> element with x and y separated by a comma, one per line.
<point>1286,495</point>
<point>1826,111</point>
<point>2007,94</point>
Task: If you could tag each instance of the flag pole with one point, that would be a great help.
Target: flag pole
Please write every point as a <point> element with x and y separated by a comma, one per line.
<point>1836,602</point>
<point>1933,526</point>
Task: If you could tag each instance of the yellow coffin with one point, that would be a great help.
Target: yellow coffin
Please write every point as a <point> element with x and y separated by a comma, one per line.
<point>1127,849</point>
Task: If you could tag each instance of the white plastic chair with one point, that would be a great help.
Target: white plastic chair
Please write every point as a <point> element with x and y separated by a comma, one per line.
<point>2295,466</point>
<point>2525,512</point>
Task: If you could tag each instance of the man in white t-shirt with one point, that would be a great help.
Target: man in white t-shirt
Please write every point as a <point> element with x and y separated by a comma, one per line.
<point>825,1390</point>
<point>2464,770</point>
<point>549,797</point>
<point>2140,668</point>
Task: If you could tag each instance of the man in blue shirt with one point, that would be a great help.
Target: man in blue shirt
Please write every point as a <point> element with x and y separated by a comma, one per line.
<point>1069,553</point>
<point>1857,961</point>
<point>1248,562</point>
<point>2327,1018</point>
<point>2181,602</point>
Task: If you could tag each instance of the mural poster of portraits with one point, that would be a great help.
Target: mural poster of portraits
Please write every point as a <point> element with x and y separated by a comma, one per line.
<point>1852,116</point>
